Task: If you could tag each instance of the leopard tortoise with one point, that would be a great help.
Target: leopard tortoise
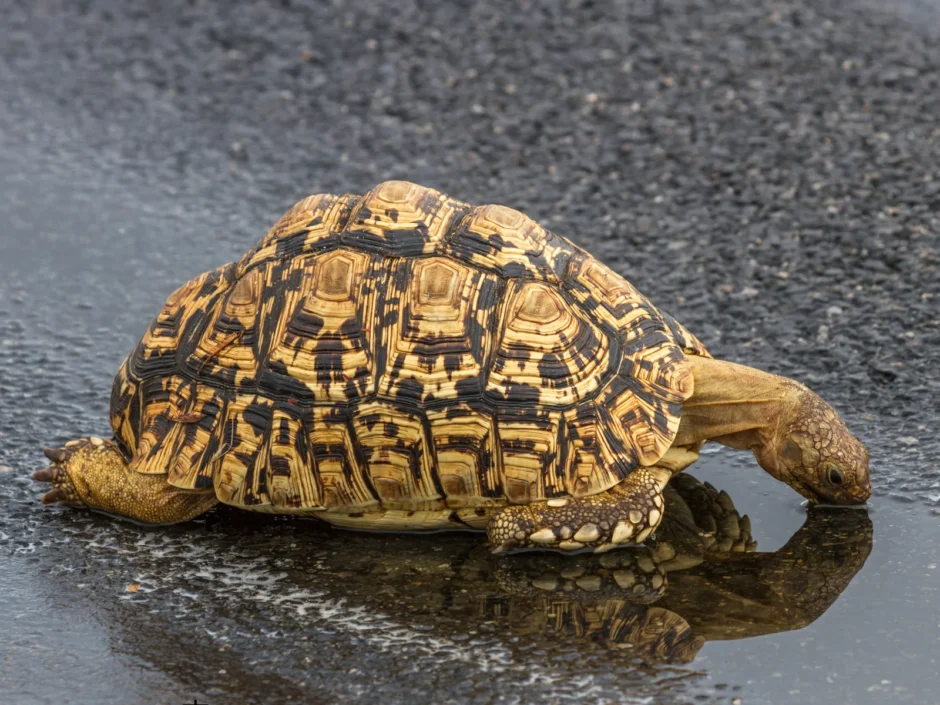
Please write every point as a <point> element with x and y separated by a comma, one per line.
<point>403,361</point>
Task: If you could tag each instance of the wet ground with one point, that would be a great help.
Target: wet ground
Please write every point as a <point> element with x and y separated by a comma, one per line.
<point>766,171</point>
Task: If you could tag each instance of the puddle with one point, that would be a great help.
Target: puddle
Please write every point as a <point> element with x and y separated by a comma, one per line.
<point>784,606</point>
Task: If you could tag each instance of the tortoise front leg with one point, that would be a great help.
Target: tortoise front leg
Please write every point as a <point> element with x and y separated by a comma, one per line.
<point>627,513</point>
<point>93,473</point>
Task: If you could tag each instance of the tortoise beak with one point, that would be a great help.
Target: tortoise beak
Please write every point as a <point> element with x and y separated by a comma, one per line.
<point>853,497</point>
<point>863,494</point>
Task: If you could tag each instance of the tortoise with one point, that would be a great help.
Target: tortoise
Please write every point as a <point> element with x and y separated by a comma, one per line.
<point>402,361</point>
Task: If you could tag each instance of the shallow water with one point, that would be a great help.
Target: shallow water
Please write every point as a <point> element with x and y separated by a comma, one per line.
<point>237,608</point>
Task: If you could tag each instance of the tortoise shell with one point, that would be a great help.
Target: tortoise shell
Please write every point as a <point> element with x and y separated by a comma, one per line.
<point>403,350</point>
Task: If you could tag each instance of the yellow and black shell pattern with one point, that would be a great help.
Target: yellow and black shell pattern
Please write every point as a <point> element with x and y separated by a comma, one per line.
<point>403,350</point>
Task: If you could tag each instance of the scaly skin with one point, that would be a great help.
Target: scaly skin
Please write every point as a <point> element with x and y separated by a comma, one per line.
<point>627,513</point>
<point>92,472</point>
<point>794,434</point>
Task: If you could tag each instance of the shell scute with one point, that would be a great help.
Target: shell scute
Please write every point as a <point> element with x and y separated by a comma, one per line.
<point>185,308</point>
<point>529,451</point>
<point>398,457</point>
<point>241,477</point>
<point>310,225</point>
<point>610,297</point>
<point>323,339</point>
<point>549,352</point>
<point>596,458</point>
<point>401,219</point>
<point>646,416</point>
<point>682,337</point>
<point>125,409</point>
<point>163,400</point>
<point>339,464</point>
<point>228,345</point>
<point>435,340</point>
<point>464,438</point>
<point>505,241</point>
<point>293,485</point>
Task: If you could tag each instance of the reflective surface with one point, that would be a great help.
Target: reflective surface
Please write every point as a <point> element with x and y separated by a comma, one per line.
<point>286,610</point>
<point>702,579</point>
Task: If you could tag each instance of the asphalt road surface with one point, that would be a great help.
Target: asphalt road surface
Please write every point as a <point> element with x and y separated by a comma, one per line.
<point>765,171</point>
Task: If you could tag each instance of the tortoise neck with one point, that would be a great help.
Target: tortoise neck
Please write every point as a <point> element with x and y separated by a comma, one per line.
<point>734,405</point>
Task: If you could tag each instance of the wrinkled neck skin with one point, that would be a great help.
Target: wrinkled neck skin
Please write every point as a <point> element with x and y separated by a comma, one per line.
<point>739,407</point>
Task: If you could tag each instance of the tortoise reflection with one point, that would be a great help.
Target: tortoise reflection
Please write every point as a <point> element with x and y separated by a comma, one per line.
<point>701,579</point>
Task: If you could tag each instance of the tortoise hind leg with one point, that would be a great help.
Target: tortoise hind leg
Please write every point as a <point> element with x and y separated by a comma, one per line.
<point>626,513</point>
<point>93,473</point>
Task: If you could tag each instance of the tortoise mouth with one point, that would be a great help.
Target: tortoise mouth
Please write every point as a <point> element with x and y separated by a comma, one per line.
<point>845,499</point>
<point>807,493</point>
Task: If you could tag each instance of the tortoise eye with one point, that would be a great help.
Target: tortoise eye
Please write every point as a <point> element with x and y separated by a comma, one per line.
<point>835,475</point>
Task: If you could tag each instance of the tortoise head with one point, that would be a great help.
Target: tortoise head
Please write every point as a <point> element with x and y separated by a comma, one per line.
<point>83,472</point>
<point>816,454</point>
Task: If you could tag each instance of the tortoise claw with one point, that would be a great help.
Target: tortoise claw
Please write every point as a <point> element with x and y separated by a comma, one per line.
<point>52,496</point>
<point>46,474</point>
<point>505,547</point>
<point>62,489</point>
<point>56,455</point>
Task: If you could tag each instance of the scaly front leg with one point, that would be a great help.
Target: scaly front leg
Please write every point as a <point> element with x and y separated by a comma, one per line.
<point>93,473</point>
<point>627,513</point>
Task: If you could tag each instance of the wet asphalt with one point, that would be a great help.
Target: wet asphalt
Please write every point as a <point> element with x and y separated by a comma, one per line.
<point>765,171</point>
